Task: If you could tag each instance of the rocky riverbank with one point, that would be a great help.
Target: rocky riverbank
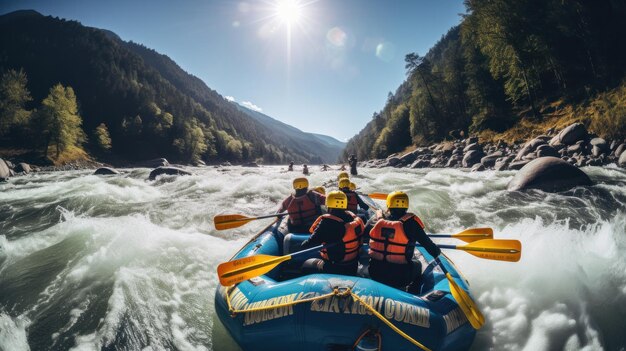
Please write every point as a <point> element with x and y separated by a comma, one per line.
<point>574,144</point>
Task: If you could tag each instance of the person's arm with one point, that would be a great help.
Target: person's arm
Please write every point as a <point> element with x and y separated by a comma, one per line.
<point>362,204</point>
<point>319,235</point>
<point>411,226</point>
<point>284,205</point>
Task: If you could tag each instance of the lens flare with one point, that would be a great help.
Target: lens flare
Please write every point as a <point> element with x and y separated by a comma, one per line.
<point>288,11</point>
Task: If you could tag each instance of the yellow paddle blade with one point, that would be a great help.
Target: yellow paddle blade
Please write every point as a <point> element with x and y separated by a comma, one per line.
<point>495,249</point>
<point>230,221</point>
<point>467,305</point>
<point>378,196</point>
<point>474,234</point>
<point>236,271</point>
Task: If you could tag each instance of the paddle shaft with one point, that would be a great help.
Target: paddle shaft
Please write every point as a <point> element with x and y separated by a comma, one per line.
<point>479,249</point>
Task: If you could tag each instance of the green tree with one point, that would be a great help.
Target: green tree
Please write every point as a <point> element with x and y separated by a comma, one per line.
<point>58,120</point>
<point>103,139</point>
<point>13,97</point>
<point>192,144</point>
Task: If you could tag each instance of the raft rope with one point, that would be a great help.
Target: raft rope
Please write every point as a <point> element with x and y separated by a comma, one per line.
<point>335,292</point>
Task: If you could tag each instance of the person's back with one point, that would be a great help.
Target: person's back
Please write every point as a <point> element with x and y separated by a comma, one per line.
<point>341,231</point>
<point>352,161</point>
<point>354,201</point>
<point>392,244</point>
<point>290,168</point>
<point>303,207</point>
<point>305,170</point>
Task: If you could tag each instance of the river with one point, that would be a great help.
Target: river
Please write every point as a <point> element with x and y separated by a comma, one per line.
<point>121,263</point>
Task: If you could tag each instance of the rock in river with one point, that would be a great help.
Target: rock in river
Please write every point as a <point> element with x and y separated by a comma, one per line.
<point>167,170</point>
<point>548,174</point>
<point>5,171</point>
<point>106,171</point>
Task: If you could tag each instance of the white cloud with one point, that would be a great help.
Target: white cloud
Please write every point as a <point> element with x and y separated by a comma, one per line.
<point>251,106</point>
<point>229,98</point>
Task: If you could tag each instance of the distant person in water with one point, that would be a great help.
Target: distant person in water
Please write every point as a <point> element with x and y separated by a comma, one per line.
<point>352,161</point>
<point>341,230</point>
<point>393,236</point>
<point>354,200</point>
<point>305,170</point>
<point>324,167</point>
<point>303,207</point>
<point>290,168</point>
<point>343,168</point>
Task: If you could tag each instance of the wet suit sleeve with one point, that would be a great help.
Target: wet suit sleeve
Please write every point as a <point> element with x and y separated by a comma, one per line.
<point>320,234</point>
<point>417,233</point>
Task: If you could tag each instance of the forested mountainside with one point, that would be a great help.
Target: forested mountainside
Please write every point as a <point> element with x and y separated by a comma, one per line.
<point>318,148</point>
<point>148,106</point>
<point>508,62</point>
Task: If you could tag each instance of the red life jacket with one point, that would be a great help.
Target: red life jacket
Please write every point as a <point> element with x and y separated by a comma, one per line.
<point>389,242</point>
<point>353,202</point>
<point>351,238</point>
<point>303,209</point>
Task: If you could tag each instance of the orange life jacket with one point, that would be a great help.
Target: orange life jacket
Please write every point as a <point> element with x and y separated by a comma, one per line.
<point>353,203</point>
<point>351,238</point>
<point>303,209</point>
<point>389,242</point>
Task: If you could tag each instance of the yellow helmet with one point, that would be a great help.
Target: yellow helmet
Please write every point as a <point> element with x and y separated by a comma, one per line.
<point>300,183</point>
<point>397,199</point>
<point>344,183</point>
<point>352,186</point>
<point>337,199</point>
<point>320,189</point>
<point>343,175</point>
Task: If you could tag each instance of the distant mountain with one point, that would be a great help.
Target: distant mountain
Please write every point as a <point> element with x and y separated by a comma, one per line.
<point>322,148</point>
<point>151,106</point>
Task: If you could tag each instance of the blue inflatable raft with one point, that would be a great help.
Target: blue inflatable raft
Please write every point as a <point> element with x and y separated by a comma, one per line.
<point>283,310</point>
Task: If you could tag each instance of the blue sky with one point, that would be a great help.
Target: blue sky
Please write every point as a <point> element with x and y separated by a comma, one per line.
<point>322,66</point>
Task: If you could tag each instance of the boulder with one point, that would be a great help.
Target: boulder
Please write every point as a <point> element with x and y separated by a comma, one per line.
<point>471,140</point>
<point>622,160</point>
<point>392,161</point>
<point>620,150</point>
<point>489,160</point>
<point>518,164</point>
<point>548,174</point>
<point>546,150</point>
<point>573,133</point>
<point>154,163</point>
<point>501,165</point>
<point>470,147</point>
<point>472,157</point>
<point>454,161</point>
<point>22,168</point>
<point>106,171</point>
<point>409,157</point>
<point>420,164</point>
<point>477,168</point>
<point>5,171</point>
<point>167,170</point>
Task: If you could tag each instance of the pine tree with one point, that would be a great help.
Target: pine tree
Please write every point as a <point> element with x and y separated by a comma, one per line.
<point>13,97</point>
<point>103,139</point>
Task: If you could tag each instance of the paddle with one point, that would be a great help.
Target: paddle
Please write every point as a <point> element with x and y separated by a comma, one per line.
<point>236,271</point>
<point>467,305</point>
<point>468,235</point>
<point>237,220</point>
<point>378,196</point>
<point>491,249</point>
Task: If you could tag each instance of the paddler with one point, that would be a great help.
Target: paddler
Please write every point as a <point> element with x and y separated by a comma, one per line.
<point>393,237</point>
<point>305,170</point>
<point>354,201</point>
<point>290,168</point>
<point>341,231</point>
<point>303,206</point>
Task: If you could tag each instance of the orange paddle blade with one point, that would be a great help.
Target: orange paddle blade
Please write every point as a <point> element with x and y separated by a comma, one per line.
<point>236,271</point>
<point>230,221</point>
<point>378,196</point>
<point>494,249</point>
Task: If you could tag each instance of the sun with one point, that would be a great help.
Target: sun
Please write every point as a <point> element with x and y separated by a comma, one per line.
<point>288,11</point>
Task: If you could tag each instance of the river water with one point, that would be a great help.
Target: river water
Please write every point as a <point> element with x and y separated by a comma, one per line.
<point>121,263</point>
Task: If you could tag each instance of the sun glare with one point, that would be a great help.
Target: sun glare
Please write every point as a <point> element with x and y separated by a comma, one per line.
<point>288,11</point>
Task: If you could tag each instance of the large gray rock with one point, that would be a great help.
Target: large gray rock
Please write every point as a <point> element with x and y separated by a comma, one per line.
<point>477,168</point>
<point>548,174</point>
<point>546,150</point>
<point>472,157</point>
<point>106,171</point>
<point>518,164</point>
<point>470,147</point>
<point>409,157</point>
<point>620,150</point>
<point>392,161</point>
<point>420,164</point>
<point>5,171</point>
<point>489,160</point>
<point>573,133</point>
<point>622,160</point>
<point>22,168</point>
<point>167,170</point>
